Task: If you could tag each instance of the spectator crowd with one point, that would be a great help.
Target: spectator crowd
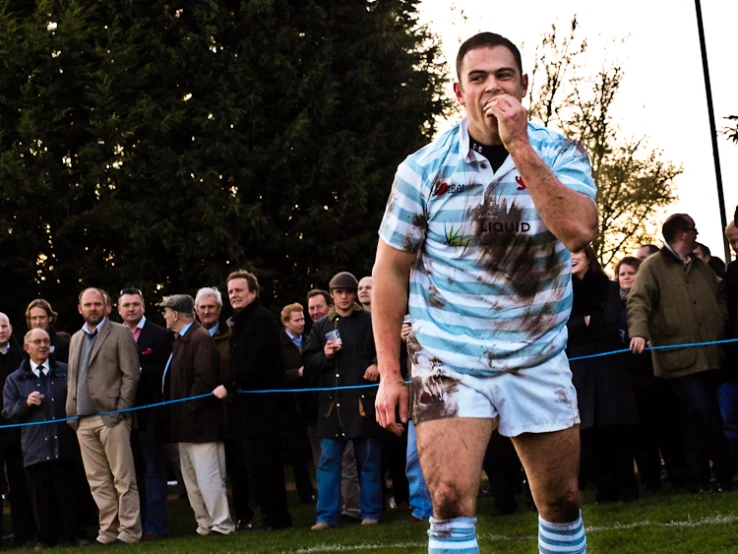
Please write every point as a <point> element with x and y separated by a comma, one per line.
<point>83,457</point>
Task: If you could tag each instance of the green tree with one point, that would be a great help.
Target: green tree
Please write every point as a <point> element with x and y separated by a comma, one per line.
<point>162,144</point>
<point>634,181</point>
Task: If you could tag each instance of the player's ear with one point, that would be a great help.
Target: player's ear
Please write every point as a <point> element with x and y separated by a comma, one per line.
<point>524,83</point>
<point>459,92</point>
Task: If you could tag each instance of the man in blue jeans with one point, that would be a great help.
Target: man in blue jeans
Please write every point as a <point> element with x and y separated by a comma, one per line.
<point>340,349</point>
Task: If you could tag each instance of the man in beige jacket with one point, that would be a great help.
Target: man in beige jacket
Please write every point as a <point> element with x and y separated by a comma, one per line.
<point>103,376</point>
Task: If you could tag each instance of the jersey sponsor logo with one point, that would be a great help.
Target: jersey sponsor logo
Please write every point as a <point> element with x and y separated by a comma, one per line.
<point>442,188</point>
<point>505,227</point>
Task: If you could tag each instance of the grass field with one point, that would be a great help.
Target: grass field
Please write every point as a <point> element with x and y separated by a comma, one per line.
<point>662,523</point>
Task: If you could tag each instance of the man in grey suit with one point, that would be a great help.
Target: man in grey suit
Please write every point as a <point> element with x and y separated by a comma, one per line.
<point>103,376</point>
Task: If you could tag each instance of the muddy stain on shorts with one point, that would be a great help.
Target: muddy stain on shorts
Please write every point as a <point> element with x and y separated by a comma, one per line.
<point>413,348</point>
<point>434,398</point>
<point>562,397</point>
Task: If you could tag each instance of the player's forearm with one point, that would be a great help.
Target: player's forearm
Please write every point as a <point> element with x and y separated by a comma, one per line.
<point>569,215</point>
<point>389,305</point>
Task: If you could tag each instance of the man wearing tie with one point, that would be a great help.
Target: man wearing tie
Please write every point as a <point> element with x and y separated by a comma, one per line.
<point>103,376</point>
<point>37,392</point>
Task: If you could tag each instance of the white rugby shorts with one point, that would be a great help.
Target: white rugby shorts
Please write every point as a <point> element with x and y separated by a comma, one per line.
<point>539,399</point>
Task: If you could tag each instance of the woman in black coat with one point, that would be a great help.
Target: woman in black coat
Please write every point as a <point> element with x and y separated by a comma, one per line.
<point>607,404</point>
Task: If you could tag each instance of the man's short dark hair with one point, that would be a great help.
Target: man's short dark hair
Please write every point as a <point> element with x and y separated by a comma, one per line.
<point>324,294</point>
<point>652,248</point>
<point>131,290</point>
<point>705,249</point>
<point>673,225</point>
<point>486,40</point>
<point>251,281</point>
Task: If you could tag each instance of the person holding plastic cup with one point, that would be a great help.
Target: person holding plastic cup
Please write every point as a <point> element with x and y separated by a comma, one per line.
<point>341,350</point>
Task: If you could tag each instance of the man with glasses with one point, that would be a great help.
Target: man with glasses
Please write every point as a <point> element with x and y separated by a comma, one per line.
<point>678,299</point>
<point>37,392</point>
<point>154,347</point>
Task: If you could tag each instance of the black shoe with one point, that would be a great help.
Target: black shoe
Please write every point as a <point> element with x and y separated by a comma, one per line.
<point>275,526</point>
<point>724,486</point>
<point>243,525</point>
<point>349,519</point>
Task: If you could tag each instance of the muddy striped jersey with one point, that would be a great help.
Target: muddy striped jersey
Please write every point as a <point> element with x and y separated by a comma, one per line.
<point>490,289</point>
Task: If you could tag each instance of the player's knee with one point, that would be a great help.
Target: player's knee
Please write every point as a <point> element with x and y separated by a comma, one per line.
<point>447,501</point>
<point>564,506</point>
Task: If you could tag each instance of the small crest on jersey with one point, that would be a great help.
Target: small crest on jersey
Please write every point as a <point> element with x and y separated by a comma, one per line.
<point>520,182</point>
<point>441,188</point>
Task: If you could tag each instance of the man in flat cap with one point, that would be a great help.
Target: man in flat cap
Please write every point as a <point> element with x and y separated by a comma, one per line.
<point>341,349</point>
<point>197,425</point>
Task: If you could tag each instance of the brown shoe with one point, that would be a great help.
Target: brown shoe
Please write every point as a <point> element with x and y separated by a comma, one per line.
<point>321,526</point>
<point>79,543</point>
<point>369,521</point>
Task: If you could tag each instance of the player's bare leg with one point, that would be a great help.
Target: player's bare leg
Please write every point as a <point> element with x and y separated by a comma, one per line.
<point>451,453</point>
<point>551,462</point>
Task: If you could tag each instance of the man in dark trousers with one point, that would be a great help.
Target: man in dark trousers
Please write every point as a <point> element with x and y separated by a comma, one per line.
<point>300,412</point>
<point>208,305</point>
<point>678,299</point>
<point>341,349</point>
<point>256,363</point>
<point>36,392</point>
<point>11,458</point>
<point>728,391</point>
<point>154,346</point>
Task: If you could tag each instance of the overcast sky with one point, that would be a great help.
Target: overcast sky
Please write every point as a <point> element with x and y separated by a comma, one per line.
<point>663,92</point>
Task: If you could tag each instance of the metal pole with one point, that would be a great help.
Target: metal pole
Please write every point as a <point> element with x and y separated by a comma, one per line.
<point>713,130</point>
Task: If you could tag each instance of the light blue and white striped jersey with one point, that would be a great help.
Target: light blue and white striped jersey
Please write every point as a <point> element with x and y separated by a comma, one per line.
<point>490,290</point>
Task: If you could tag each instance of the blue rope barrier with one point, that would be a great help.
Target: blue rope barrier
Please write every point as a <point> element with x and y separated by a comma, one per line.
<point>327,389</point>
<point>111,412</point>
<point>664,347</point>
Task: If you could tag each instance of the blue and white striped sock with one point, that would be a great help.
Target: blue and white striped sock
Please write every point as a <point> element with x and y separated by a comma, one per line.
<point>562,538</point>
<point>453,536</point>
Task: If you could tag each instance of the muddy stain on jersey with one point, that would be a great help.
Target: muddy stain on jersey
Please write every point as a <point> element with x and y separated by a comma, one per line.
<point>507,248</point>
